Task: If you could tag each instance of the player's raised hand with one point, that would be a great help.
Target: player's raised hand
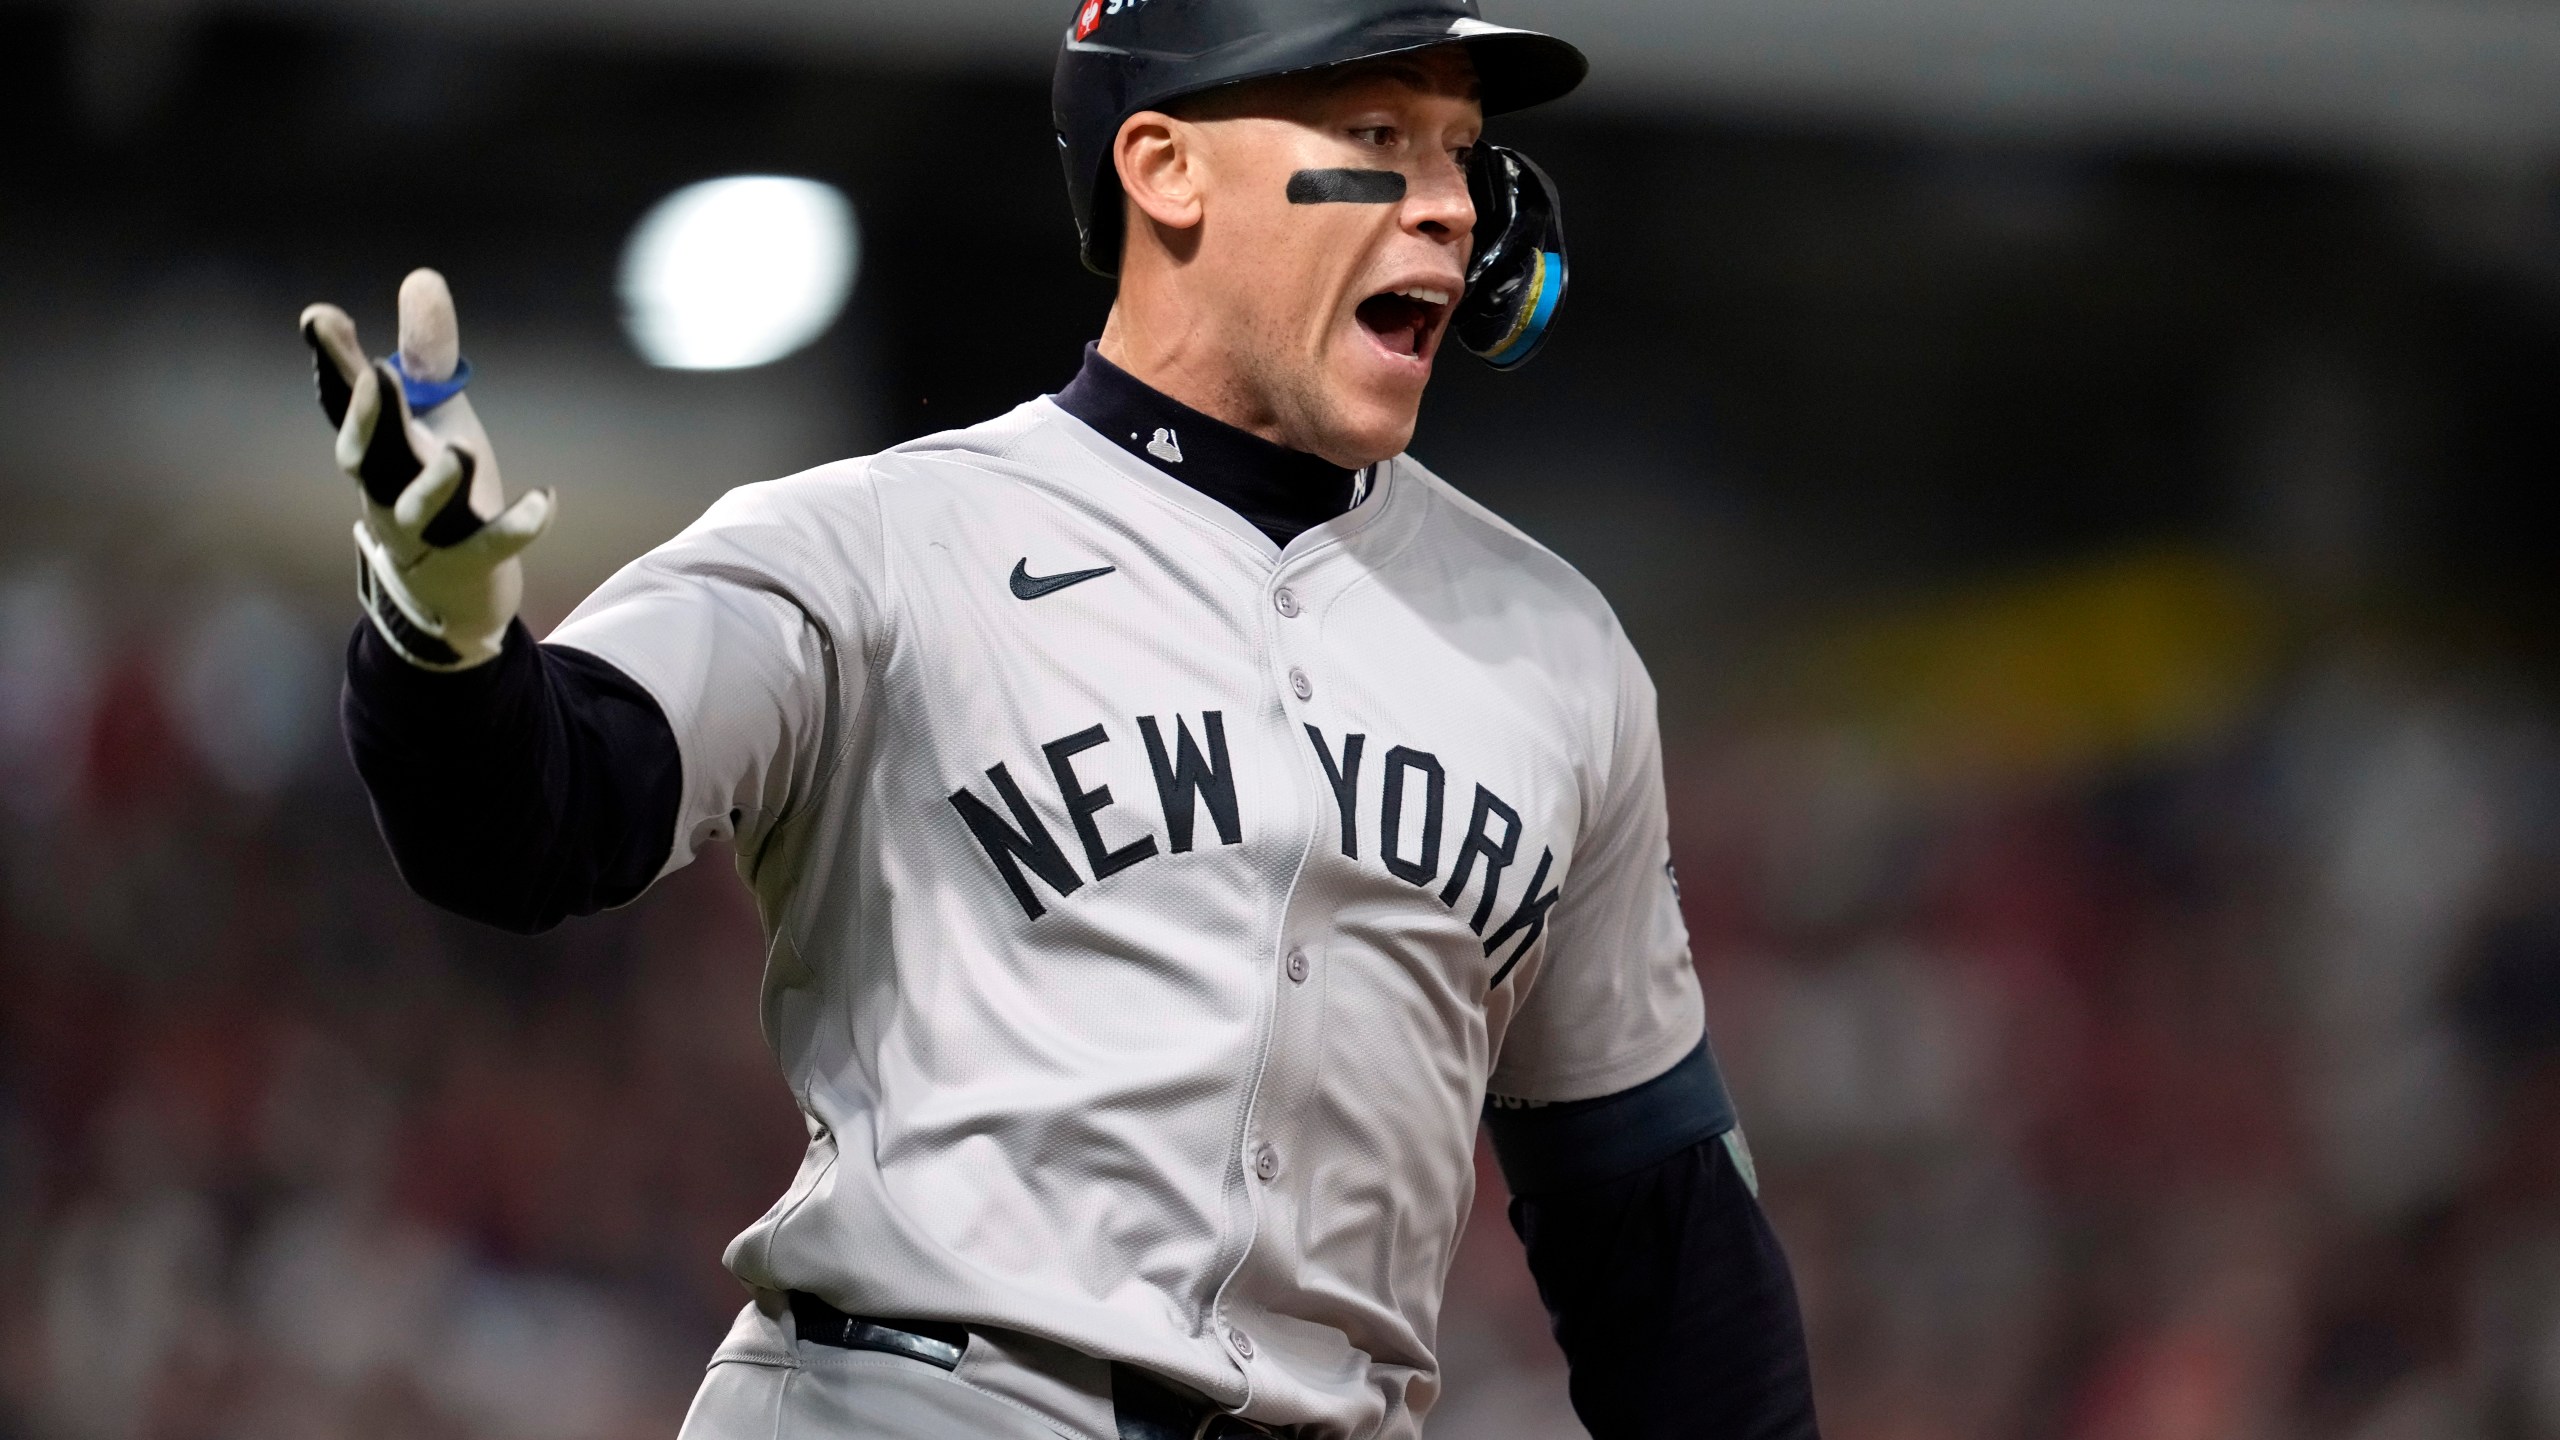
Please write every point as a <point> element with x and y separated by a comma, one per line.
<point>438,539</point>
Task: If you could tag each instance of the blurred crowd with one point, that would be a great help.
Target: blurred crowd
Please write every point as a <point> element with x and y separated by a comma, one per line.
<point>2149,1056</point>
<point>2153,1046</point>
<point>284,1153</point>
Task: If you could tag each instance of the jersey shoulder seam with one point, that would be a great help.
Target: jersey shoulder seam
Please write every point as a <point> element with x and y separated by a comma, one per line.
<point>842,727</point>
<point>1566,577</point>
<point>836,727</point>
<point>1570,583</point>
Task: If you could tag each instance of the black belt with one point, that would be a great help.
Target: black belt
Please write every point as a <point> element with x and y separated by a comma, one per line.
<point>1147,1408</point>
<point>934,1342</point>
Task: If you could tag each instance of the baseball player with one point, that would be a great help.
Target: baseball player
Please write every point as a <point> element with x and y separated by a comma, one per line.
<point>1177,816</point>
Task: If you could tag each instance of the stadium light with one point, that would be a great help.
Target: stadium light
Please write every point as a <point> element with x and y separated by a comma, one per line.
<point>741,271</point>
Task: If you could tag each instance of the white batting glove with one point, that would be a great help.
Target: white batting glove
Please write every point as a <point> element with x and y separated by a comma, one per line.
<point>437,542</point>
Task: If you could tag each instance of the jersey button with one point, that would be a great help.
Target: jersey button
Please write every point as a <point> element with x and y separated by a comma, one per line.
<point>1298,967</point>
<point>1286,602</point>
<point>1242,1341</point>
<point>1300,685</point>
<point>1266,1162</point>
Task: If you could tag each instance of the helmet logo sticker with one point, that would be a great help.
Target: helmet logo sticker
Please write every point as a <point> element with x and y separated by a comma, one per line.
<point>1090,15</point>
<point>1346,187</point>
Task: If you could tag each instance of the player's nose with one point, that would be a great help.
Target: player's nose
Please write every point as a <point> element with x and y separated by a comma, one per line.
<point>1437,205</point>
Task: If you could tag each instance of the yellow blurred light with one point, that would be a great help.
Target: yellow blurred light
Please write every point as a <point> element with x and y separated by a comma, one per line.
<point>2076,667</point>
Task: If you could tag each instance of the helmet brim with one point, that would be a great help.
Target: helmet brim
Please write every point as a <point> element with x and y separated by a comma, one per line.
<point>1515,68</point>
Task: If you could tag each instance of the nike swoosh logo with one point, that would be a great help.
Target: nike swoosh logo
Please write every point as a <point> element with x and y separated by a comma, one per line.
<point>1027,586</point>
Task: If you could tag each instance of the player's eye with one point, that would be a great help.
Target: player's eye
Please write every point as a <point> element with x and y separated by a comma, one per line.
<point>1382,137</point>
<point>1463,154</point>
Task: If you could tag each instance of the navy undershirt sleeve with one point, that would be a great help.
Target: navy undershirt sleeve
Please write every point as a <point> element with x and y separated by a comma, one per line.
<point>1667,1290</point>
<point>1546,1147</point>
<point>541,785</point>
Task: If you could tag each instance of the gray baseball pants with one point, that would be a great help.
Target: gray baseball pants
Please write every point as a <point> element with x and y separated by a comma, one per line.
<point>765,1385</point>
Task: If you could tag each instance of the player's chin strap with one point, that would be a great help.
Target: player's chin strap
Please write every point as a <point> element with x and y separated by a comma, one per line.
<point>1515,283</point>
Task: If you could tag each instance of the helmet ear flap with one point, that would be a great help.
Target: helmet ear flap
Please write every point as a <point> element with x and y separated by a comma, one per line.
<point>1516,279</point>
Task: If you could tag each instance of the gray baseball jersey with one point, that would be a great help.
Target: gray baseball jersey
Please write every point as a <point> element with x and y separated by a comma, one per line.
<point>1149,909</point>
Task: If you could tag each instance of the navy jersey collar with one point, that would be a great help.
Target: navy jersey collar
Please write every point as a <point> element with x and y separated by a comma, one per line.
<point>1283,492</point>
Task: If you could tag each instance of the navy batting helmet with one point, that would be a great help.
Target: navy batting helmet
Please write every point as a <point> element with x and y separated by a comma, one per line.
<point>1123,56</point>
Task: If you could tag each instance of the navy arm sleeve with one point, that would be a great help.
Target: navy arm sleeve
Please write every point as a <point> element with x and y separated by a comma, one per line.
<point>541,785</point>
<point>1666,1287</point>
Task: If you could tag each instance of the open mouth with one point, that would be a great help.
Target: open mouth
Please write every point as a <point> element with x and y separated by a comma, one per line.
<point>1406,321</point>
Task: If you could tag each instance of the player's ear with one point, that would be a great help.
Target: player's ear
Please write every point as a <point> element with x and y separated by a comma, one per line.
<point>1158,158</point>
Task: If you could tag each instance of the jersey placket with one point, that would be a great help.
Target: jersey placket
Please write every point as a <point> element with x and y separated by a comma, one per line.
<point>1290,604</point>
<point>1258,1160</point>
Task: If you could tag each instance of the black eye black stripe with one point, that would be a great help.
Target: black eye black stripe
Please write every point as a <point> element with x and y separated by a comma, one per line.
<point>1346,187</point>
